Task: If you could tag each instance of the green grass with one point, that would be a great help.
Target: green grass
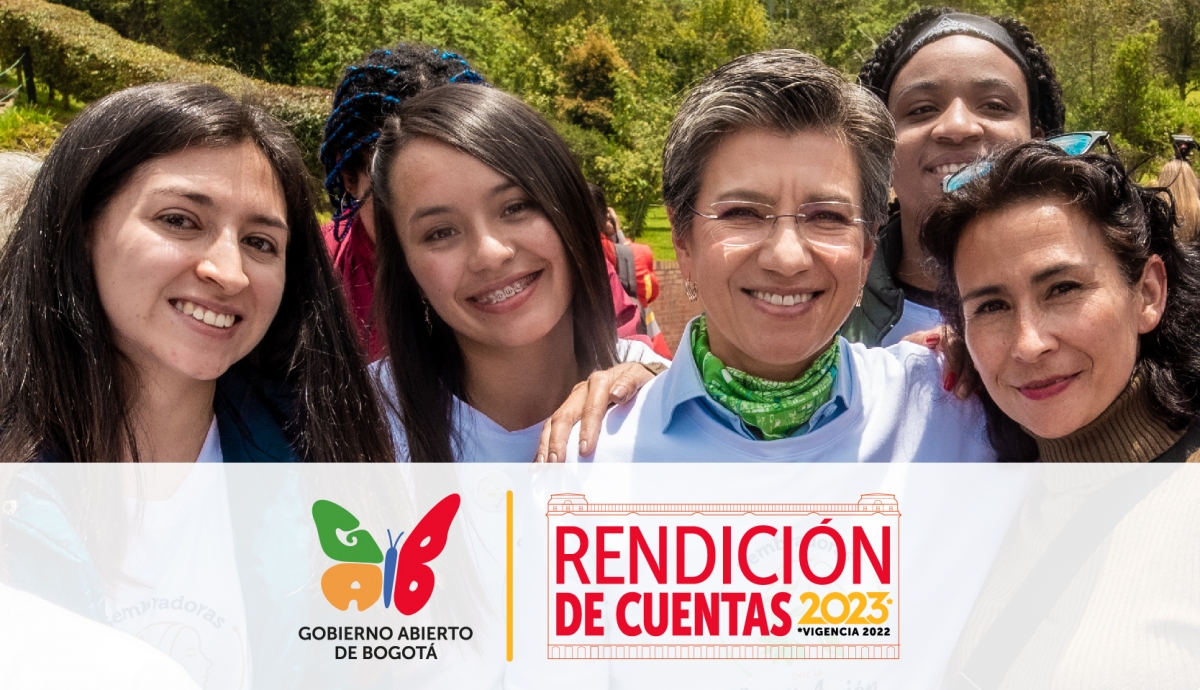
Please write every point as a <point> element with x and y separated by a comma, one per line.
<point>657,233</point>
<point>33,128</point>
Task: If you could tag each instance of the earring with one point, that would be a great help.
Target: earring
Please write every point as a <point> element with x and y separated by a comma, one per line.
<point>428,323</point>
<point>689,288</point>
<point>858,302</point>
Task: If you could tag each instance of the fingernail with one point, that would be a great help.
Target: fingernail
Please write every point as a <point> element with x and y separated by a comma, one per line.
<point>619,392</point>
<point>931,340</point>
<point>554,456</point>
<point>541,457</point>
<point>583,446</point>
<point>948,383</point>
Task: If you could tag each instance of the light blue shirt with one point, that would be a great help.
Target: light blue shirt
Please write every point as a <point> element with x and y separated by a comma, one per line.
<point>888,406</point>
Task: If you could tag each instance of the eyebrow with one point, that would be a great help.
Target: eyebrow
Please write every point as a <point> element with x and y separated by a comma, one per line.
<point>760,198</point>
<point>502,187</point>
<point>207,202</point>
<point>428,211</point>
<point>1039,277</point>
<point>1048,273</point>
<point>197,197</point>
<point>931,85</point>
<point>435,210</point>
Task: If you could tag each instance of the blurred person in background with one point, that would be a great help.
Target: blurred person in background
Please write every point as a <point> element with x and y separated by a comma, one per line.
<point>633,264</point>
<point>17,171</point>
<point>1178,176</point>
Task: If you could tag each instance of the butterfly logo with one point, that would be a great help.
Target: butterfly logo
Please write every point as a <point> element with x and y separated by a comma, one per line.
<point>405,579</point>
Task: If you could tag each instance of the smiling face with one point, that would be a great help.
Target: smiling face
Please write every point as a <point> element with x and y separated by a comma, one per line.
<point>947,116</point>
<point>189,260</point>
<point>774,307</point>
<point>1051,324</point>
<point>484,254</point>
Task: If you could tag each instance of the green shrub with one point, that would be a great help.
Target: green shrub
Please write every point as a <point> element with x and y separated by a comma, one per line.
<point>77,55</point>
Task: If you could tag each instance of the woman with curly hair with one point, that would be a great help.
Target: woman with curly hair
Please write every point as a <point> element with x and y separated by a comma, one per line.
<point>946,116</point>
<point>1077,306</point>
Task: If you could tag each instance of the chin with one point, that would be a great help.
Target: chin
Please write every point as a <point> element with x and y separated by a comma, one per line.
<point>1048,426</point>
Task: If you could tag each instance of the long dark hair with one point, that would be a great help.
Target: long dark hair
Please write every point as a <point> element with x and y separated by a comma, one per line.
<point>508,136</point>
<point>1136,222</point>
<point>61,388</point>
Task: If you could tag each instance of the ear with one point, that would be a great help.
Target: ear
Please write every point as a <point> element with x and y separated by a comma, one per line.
<point>1151,290</point>
<point>683,250</point>
<point>356,183</point>
<point>1038,132</point>
<point>868,256</point>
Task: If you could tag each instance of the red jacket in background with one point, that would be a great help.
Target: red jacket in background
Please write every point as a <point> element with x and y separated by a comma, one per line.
<point>354,260</point>
<point>643,260</point>
<point>646,286</point>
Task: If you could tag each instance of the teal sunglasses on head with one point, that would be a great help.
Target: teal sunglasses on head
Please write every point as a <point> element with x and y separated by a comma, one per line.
<point>1073,143</point>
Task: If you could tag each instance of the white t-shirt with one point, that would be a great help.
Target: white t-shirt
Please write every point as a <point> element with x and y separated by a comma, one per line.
<point>914,319</point>
<point>186,598</point>
<point>44,646</point>
<point>483,440</point>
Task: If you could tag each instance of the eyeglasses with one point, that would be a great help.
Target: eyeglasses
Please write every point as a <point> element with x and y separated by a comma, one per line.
<point>1073,143</point>
<point>746,223</point>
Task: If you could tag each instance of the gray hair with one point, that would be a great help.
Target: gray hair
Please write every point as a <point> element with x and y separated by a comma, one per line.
<point>17,171</point>
<point>784,91</point>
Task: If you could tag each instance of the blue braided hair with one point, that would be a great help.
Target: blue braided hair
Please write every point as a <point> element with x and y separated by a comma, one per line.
<point>371,91</point>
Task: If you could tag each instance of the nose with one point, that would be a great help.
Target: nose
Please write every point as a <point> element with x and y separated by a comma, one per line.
<point>492,250</point>
<point>222,264</point>
<point>786,252</point>
<point>1033,339</point>
<point>957,124</point>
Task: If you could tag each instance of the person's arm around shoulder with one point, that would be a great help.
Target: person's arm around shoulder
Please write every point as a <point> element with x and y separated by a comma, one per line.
<point>590,400</point>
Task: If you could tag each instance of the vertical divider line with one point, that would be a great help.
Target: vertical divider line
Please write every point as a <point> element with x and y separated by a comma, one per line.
<point>508,581</point>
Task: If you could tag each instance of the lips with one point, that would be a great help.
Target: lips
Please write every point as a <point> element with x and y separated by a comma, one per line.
<point>506,292</point>
<point>950,163</point>
<point>949,168</point>
<point>208,316</point>
<point>1047,388</point>
<point>781,299</point>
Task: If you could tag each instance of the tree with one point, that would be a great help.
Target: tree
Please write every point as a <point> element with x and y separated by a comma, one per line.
<point>262,39</point>
<point>1179,42</point>
<point>1139,102</point>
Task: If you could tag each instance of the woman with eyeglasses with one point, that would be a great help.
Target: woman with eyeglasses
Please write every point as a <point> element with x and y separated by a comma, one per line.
<point>776,174</point>
<point>957,85</point>
<point>1077,306</point>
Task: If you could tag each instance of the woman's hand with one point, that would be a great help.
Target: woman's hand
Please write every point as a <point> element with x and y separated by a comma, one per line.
<point>958,373</point>
<point>588,401</point>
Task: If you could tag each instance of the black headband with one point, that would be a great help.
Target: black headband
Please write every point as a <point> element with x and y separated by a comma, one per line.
<point>959,24</point>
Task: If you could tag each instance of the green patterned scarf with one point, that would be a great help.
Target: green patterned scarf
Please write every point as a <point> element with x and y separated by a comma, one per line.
<point>777,409</point>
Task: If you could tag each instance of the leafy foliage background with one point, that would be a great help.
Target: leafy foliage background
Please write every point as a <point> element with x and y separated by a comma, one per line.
<point>607,73</point>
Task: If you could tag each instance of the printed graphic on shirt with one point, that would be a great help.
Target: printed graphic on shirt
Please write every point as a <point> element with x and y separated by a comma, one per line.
<point>181,591</point>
